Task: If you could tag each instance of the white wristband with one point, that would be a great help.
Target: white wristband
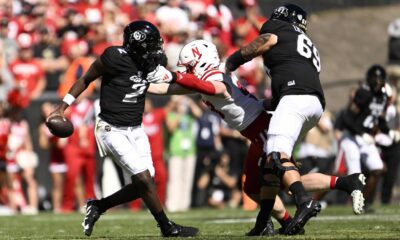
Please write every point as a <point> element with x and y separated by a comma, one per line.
<point>69,99</point>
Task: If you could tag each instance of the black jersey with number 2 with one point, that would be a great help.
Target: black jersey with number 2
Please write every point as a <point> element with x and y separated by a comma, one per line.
<point>293,63</point>
<point>123,89</point>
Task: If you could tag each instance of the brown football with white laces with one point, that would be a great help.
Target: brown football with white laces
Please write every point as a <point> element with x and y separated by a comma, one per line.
<point>60,126</point>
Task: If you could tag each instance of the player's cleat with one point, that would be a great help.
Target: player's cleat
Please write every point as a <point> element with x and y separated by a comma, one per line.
<point>357,181</point>
<point>92,215</point>
<point>304,212</point>
<point>268,230</point>
<point>281,230</point>
<point>175,230</point>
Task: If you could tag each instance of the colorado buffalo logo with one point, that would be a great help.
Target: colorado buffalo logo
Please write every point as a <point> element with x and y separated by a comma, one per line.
<point>281,11</point>
<point>138,36</point>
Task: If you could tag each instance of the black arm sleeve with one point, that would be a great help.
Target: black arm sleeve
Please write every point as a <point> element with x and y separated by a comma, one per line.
<point>234,61</point>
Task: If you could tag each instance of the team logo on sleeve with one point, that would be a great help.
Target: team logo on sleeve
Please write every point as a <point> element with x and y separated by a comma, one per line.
<point>136,78</point>
<point>138,36</point>
<point>281,11</point>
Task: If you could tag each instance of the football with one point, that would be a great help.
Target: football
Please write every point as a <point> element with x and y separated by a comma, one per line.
<point>60,127</point>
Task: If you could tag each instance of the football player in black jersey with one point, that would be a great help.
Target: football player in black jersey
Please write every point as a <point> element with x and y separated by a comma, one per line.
<point>356,127</point>
<point>362,131</point>
<point>294,65</point>
<point>390,150</point>
<point>118,132</point>
<point>201,74</point>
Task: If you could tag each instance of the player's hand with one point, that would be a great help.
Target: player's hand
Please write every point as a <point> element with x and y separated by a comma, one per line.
<point>395,135</point>
<point>160,75</point>
<point>368,139</point>
<point>57,112</point>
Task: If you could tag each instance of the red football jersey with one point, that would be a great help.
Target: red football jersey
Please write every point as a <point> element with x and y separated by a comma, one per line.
<point>153,126</point>
<point>26,74</point>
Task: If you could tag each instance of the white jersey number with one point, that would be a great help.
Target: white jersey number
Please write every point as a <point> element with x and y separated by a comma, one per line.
<point>138,91</point>
<point>369,122</point>
<point>306,48</point>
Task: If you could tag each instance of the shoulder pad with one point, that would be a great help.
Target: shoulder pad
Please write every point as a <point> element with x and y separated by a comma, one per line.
<point>272,26</point>
<point>115,59</point>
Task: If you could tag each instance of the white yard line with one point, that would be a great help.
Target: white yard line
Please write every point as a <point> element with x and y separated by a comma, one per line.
<point>379,218</point>
<point>112,217</point>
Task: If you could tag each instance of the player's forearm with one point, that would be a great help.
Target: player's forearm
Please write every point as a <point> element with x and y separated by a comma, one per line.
<point>257,47</point>
<point>94,72</point>
<point>167,89</point>
<point>78,87</point>
<point>191,82</point>
<point>158,89</point>
<point>254,49</point>
<point>73,93</point>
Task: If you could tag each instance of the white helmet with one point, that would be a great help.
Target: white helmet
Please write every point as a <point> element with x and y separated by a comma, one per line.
<point>199,56</point>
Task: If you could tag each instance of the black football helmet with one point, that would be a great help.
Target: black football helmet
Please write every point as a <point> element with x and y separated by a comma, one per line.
<point>144,44</point>
<point>376,77</point>
<point>291,13</point>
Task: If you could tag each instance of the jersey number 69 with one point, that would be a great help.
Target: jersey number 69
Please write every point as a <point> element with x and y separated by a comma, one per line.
<point>306,48</point>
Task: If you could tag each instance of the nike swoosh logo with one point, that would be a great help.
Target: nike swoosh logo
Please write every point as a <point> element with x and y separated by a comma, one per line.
<point>309,205</point>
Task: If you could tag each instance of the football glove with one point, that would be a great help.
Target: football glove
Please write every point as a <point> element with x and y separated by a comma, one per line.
<point>161,75</point>
<point>395,135</point>
<point>368,139</point>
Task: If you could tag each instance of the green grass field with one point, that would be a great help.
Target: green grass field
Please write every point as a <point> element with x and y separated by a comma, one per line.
<point>331,223</point>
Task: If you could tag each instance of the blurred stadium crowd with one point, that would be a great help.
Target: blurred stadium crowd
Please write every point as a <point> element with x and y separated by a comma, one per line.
<point>46,45</point>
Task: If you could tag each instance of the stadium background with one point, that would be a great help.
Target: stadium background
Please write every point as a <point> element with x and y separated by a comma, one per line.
<point>351,35</point>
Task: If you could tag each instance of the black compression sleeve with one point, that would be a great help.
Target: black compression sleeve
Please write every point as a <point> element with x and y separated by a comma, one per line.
<point>234,61</point>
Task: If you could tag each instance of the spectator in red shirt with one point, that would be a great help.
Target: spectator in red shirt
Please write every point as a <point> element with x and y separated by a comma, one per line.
<point>98,39</point>
<point>248,26</point>
<point>28,73</point>
<point>91,10</point>
<point>219,16</point>
<point>246,29</point>
<point>146,11</point>
<point>172,18</point>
